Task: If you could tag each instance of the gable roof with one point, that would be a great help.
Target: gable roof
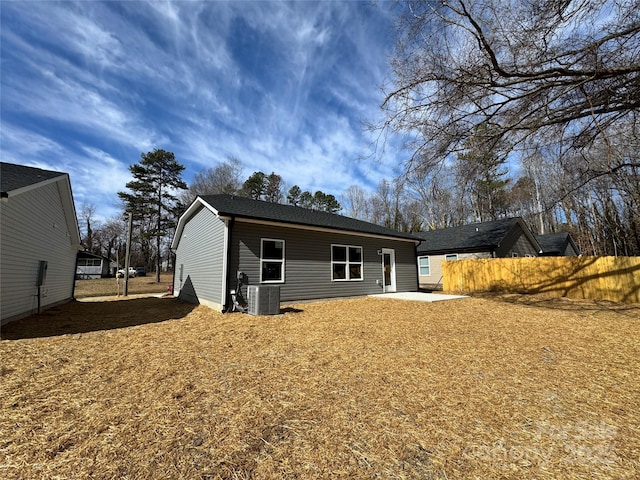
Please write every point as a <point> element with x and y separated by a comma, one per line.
<point>14,178</point>
<point>476,237</point>
<point>85,254</point>
<point>18,179</point>
<point>556,243</point>
<point>225,205</point>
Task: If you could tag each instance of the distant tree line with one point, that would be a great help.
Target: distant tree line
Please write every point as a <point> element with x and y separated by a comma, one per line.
<point>552,192</point>
<point>552,189</point>
<point>226,177</point>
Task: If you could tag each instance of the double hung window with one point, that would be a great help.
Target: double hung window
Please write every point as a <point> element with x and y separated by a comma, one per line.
<point>423,264</point>
<point>272,261</point>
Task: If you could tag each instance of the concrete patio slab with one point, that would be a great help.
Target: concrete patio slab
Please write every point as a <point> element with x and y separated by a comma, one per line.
<point>419,296</point>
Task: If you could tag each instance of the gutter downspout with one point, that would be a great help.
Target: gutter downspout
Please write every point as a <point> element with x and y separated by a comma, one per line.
<point>227,263</point>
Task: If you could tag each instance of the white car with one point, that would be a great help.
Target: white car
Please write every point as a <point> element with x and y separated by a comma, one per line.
<point>132,272</point>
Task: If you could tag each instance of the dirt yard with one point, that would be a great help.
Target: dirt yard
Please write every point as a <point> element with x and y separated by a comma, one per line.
<point>102,287</point>
<point>509,387</point>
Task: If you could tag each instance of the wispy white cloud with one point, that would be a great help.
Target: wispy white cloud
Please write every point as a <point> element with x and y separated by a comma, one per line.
<point>283,86</point>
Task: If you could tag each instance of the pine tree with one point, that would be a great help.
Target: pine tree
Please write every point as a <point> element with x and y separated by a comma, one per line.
<point>152,201</point>
<point>482,168</point>
<point>254,186</point>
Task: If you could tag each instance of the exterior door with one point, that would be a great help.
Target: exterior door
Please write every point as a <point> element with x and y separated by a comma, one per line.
<point>388,270</point>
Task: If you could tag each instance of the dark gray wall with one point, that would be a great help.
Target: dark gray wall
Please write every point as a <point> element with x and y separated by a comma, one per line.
<point>308,261</point>
<point>516,242</point>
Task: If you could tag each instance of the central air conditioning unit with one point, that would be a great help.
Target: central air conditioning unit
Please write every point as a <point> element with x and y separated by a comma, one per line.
<point>263,299</point>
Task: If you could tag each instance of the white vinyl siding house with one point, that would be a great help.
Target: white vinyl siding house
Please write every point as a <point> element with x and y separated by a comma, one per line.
<point>39,241</point>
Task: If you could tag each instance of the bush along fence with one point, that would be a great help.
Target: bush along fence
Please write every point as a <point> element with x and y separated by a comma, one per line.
<point>598,278</point>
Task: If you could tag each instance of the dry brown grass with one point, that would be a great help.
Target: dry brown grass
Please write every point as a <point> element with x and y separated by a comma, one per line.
<point>507,387</point>
<point>102,287</point>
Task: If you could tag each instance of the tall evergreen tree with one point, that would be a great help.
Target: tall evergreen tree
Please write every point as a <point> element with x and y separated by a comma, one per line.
<point>273,188</point>
<point>152,200</point>
<point>254,186</point>
<point>482,169</point>
<point>293,196</point>
<point>325,202</point>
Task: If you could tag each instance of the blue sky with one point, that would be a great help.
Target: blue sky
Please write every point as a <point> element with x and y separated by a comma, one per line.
<point>88,86</point>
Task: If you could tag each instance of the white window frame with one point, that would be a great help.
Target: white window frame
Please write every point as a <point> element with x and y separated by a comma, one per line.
<point>447,259</point>
<point>272,260</point>
<point>420,267</point>
<point>89,262</point>
<point>347,263</point>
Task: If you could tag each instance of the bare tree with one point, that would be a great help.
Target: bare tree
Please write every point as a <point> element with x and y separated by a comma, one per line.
<point>357,203</point>
<point>88,227</point>
<point>528,69</point>
<point>432,186</point>
<point>226,177</point>
<point>112,238</point>
<point>393,208</point>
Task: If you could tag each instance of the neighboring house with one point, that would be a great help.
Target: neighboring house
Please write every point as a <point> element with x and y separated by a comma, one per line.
<point>509,237</point>
<point>558,245</point>
<point>39,240</point>
<point>90,265</point>
<point>309,254</point>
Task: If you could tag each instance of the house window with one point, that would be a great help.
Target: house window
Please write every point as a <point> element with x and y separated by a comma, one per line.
<point>89,262</point>
<point>515,255</point>
<point>452,257</point>
<point>346,263</point>
<point>272,261</point>
<point>423,264</point>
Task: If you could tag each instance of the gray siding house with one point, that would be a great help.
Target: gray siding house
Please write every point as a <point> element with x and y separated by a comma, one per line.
<point>91,266</point>
<point>39,240</point>
<point>558,245</point>
<point>509,237</point>
<point>309,254</point>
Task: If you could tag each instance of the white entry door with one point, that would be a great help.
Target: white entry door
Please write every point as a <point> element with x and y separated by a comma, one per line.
<point>388,270</point>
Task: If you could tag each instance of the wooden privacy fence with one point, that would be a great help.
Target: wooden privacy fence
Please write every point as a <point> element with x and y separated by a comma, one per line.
<point>598,278</point>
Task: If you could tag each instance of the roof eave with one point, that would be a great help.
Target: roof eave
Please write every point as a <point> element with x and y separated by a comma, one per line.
<point>306,226</point>
<point>440,251</point>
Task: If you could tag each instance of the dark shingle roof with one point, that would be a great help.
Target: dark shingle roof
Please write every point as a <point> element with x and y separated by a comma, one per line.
<point>483,236</point>
<point>231,205</point>
<point>14,177</point>
<point>555,243</point>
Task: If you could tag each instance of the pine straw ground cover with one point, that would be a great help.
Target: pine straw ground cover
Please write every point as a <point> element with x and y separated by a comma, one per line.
<point>360,388</point>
